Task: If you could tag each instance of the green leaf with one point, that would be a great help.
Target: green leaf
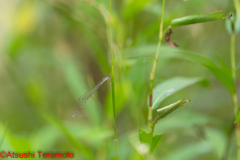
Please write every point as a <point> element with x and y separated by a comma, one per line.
<point>122,98</point>
<point>133,7</point>
<point>154,8</point>
<point>171,86</point>
<point>144,137</point>
<point>217,139</point>
<point>238,117</point>
<point>198,18</point>
<point>45,138</point>
<point>223,73</point>
<point>228,24</point>
<point>237,24</point>
<point>155,141</point>
<point>145,50</point>
<point>163,112</point>
<point>75,81</point>
<point>147,138</point>
<point>182,120</point>
<point>189,151</point>
<point>62,128</point>
<point>10,141</point>
<point>233,21</point>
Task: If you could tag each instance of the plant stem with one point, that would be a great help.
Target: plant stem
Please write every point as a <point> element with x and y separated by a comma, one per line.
<point>237,7</point>
<point>233,64</point>
<point>152,73</point>
<point>114,113</point>
<point>234,96</point>
<point>113,88</point>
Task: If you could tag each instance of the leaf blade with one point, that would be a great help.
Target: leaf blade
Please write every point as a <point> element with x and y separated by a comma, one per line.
<point>144,137</point>
<point>197,18</point>
<point>165,111</point>
<point>171,86</point>
<point>148,139</point>
<point>155,141</point>
<point>223,74</point>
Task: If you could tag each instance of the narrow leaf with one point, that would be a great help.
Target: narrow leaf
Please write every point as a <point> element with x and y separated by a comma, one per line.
<point>163,112</point>
<point>171,86</point>
<point>140,51</point>
<point>223,73</point>
<point>198,18</point>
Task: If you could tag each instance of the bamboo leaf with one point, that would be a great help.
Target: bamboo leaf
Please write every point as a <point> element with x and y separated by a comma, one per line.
<point>223,73</point>
<point>163,112</point>
<point>171,86</point>
<point>198,18</point>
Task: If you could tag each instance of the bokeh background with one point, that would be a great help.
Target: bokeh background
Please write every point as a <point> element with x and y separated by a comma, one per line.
<point>53,51</point>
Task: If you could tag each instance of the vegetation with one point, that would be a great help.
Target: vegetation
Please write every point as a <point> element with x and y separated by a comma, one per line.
<point>173,92</point>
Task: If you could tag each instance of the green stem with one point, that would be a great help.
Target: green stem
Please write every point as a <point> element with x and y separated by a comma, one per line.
<point>152,132</point>
<point>114,112</point>
<point>149,118</point>
<point>237,7</point>
<point>113,88</point>
<point>152,74</point>
<point>233,64</point>
<point>110,23</point>
<point>234,96</point>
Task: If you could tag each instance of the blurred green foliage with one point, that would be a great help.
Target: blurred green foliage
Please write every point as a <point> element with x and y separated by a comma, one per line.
<point>53,51</point>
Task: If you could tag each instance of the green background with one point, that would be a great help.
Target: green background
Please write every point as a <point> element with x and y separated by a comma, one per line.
<point>53,51</point>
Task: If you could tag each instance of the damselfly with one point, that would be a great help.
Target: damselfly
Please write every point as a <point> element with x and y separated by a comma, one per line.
<point>83,99</point>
